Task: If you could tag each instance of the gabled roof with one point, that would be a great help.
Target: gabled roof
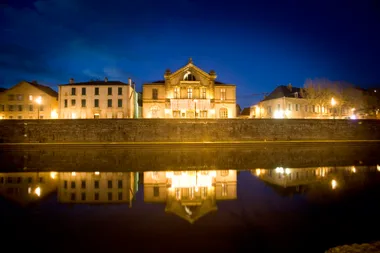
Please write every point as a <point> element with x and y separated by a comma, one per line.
<point>2,89</point>
<point>95,83</point>
<point>283,91</point>
<point>45,89</point>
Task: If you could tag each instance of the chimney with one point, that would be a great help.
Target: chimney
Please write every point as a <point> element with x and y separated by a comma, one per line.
<point>130,81</point>
<point>106,79</point>
<point>71,80</point>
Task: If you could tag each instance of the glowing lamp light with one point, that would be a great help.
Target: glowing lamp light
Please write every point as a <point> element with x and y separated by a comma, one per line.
<point>29,190</point>
<point>378,168</point>
<point>334,184</point>
<point>97,172</point>
<point>258,172</point>
<point>353,116</point>
<point>53,175</point>
<point>37,191</point>
<point>287,171</point>
<point>353,169</point>
<point>279,114</point>
<point>73,174</point>
<point>333,102</point>
<point>54,114</point>
<point>279,170</point>
<point>39,100</point>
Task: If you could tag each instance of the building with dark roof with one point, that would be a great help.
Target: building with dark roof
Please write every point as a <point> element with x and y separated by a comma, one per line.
<point>98,99</point>
<point>29,100</point>
<point>2,89</point>
<point>189,92</point>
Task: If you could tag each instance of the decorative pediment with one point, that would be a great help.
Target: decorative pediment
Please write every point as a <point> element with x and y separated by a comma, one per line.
<point>189,72</point>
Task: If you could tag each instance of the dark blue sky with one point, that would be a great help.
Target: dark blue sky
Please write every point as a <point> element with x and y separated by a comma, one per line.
<point>256,45</point>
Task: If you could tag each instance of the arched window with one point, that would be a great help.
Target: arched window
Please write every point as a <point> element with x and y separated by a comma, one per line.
<point>223,113</point>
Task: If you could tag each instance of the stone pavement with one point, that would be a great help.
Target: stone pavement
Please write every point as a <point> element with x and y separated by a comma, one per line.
<point>354,248</point>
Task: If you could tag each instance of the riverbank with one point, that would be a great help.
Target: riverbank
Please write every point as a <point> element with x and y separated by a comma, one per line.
<point>373,247</point>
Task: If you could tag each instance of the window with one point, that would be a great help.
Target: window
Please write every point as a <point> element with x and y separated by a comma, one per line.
<point>120,103</point>
<point>96,196</point>
<point>313,108</point>
<point>19,97</point>
<point>224,189</point>
<point>203,93</point>
<point>11,97</point>
<point>41,116</point>
<point>83,91</point>
<point>305,108</point>
<point>83,184</point>
<point>41,107</point>
<point>222,94</point>
<point>96,91</point>
<point>120,196</point>
<point>156,191</point>
<point>109,184</point>
<point>120,91</point>
<point>73,91</point>
<point>19,107</point>
<point>223,113</point>
<point>96,184</point>
<point>189,93</point>
<point>64,184</point>
<point>30,97</point>
<point>296,94</point>
<point>109,102</point>
<point>120,184</point>
<point>154,93</point>
<point>72,184</point>
<point>278,107</point>
<point>109,91</point>
<point>19,117</point>
<point>203,114</point>
<point>297,107</point>
<point>110,196</point>
<point>224,173</point>
<point>96,102</point>
<point>2,108</point>
<point>10,117</point>
<point>10,108</point>
<point>269,109</point>
<point>65,103</point>
<point>83,196</point>
<point>176,114</point>
<point>72,102</point>
<point>176,92</point>
<point>289,107</point>
<point>73,197</point>
<point>83,102</point>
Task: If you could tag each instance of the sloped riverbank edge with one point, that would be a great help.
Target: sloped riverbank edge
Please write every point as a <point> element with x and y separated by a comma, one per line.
<point>373,247</point>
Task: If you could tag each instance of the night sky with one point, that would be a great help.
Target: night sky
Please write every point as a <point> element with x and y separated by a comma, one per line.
<point>256,45</point>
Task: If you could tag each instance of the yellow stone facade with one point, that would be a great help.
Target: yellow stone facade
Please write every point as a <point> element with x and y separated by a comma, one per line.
<point>29,100</point>
<point>189,93</point>
<point>97,99</point>
<point>190,194</point>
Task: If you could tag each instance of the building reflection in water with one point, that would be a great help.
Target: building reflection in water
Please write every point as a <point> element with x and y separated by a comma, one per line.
<point>27,187</point>
<point>301,178</point>
<point>190,194</point>
<point>97,187</point>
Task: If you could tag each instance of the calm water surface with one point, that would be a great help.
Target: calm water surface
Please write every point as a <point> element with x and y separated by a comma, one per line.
<point>189,199</point>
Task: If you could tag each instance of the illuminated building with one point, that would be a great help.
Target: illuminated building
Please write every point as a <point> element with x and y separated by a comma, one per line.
<point>286,102</point>
<point>98,99</point>
<point>189,92</point>
<point>29,100</point>
<point>189,194</point>
<point>97,187</point>
<point>27,187</point>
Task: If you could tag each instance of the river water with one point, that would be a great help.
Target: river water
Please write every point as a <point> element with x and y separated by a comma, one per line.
<point>263,198</point>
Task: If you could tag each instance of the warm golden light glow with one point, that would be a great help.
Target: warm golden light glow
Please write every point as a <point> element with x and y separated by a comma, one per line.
<point>378,167</point>
<point>39,100</point>
<point>54,114</point>
<point>37,191</point>
<point>29,190</point>
<point>73,173</point>
<point>279,170</point>
<point>97,172</point>
<point>188,179</point>
<point>258,172</point>
<point>333,102</point>
<point>353,169</point>
<point>53,175</point>
<point>334,184</point>
<point>287,171</point>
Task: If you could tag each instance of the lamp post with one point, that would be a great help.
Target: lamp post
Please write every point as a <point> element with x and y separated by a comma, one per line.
<point>195,104</point>
<point>38,101</point>
<point>333,103</point>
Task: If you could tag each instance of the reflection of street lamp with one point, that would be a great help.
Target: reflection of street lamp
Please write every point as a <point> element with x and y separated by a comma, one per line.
<point>333,103</point>
<point>38,101</point>
<point>195,103</point>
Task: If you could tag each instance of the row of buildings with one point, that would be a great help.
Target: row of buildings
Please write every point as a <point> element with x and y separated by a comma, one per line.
<point>188,194</point>
<point>188,92</point>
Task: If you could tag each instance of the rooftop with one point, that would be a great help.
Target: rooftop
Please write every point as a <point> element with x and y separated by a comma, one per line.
<point>283,91</point>
<point>45,89</point>
<point>2,89</point>
<point>94,83</point>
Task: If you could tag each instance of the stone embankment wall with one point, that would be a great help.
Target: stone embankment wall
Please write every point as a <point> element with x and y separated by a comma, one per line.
<point>184,130</point>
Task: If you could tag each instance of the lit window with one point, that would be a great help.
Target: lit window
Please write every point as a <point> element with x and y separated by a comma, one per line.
<point>224,189</point>
<point>222,94</point>
<point>223,113</point>
<point>30,97</point>
<point>189,93</point>
<point>203,93</point>
<point>154,93</point>
<point>176,92</point>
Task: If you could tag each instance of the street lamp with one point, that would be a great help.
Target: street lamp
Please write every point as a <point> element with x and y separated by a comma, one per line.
<point>38,101</point>
<point>195,112</point>
<point>333,103</point>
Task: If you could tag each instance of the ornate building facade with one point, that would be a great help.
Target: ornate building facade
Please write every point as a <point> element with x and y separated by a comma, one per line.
<point>189,92</point>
